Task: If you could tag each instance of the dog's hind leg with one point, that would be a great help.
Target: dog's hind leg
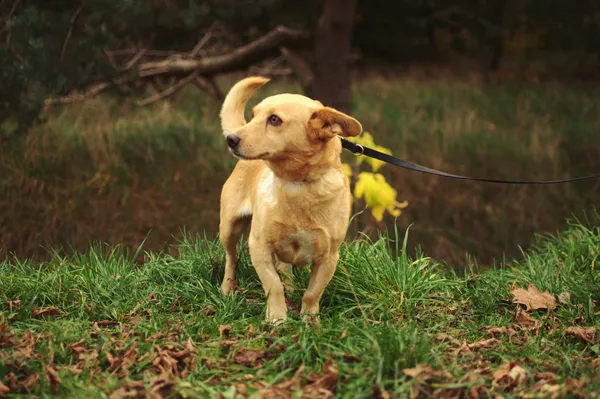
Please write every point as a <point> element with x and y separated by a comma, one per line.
<point>320,274</point>
<point>286,275</point>
<point>230,232</point>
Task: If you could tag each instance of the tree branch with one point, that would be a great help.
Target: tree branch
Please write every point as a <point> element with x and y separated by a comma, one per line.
<point>68,38</point>
<point>192,70</point>
<point>210,86</point>
<point>239,58</point>
<point>170,91</point>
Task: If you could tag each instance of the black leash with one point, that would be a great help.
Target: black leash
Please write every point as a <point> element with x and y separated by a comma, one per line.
<point>358,149</point>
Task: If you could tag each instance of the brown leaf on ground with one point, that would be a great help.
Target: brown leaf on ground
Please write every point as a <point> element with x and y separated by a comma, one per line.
<point>3,389</point>
<point>251,331</point>
<point>495,331</point>
<point>158,388</point>
<point>30,381</point>
<point>381,393</point>
<point>533,298</point>
<point>12,305</point>
<point>47,311</point>
<point>589,334</point>
<point>132,389</point>
<point>443,337</point>
<point>175,305</point>
<point>53,378</point>
<point>170,361</point>
<point>324,387</point>
<point>545,376</point>
<point>477,392</point>
<point>11,380</point>
<point>484,344</point>
<point>526,321</point>
<point>249,357</point>
<point>481,344</point>
<point>509,375</point>
<point>86,358</point>
<point>294,382</point>
<point>24,348</point>
<point>423,372</point>
<point>107,322</point>
<point>122,362</point>
<point>224,330</point>
<point>241,389</point>
<point>564,298</point>
<point>550,390</point>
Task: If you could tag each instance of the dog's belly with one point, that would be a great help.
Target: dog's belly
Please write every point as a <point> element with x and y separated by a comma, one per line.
<point>296,248</point>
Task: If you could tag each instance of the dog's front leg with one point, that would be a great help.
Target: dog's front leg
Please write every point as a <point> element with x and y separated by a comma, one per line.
<point>263,260</point>
<point>320,274</point>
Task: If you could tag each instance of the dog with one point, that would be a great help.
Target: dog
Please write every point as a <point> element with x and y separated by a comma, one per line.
<point>289,187</point>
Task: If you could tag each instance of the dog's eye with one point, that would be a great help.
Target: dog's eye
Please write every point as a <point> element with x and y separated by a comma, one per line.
<point>274,120</point>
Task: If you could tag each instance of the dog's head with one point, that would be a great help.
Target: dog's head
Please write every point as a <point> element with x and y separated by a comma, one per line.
<point>280,124</point>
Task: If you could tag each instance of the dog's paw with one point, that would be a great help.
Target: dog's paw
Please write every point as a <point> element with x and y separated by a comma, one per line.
<point>313,321</point>
<point>276,319</point>
<point>228,286</point>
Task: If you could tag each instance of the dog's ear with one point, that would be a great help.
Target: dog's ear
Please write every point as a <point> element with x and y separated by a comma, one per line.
<point>327,122</point>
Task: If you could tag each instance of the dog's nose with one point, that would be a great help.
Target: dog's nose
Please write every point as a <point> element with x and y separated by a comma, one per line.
<point>233,140</point>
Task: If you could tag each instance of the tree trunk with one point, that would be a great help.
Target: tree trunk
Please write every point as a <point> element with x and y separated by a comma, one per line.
<point>331,83</point>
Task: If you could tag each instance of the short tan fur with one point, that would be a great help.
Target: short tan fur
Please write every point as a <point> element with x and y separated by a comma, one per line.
<point>288,187</point>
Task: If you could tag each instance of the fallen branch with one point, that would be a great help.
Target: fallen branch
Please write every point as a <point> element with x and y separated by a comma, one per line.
<point>135,59</point>
<point>170,91</point>
<point>239,58</point>
<point>92,92</point>
<point>199,71</point>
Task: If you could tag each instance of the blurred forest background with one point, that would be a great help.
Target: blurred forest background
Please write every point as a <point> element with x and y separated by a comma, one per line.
<point>109,125</point>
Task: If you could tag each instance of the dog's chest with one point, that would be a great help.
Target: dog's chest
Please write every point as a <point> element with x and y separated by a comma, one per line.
<point>297,248</point>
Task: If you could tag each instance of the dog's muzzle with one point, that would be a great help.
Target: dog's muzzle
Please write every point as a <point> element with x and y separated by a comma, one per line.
<point>233,140</point>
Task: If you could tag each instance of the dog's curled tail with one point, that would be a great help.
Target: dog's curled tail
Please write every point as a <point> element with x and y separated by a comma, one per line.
<point>232,111</point>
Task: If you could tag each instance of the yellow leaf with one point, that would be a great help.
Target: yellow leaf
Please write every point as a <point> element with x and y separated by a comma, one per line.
<point>378,195</point>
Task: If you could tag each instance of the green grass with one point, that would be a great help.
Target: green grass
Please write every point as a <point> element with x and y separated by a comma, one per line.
<point>128,171</point>
<point>385,311</point>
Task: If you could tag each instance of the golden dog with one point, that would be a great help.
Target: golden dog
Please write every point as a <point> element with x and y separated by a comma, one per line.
<point>289,187</point>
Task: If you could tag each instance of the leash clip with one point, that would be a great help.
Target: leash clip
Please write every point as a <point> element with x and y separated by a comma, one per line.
<point>362,150</point>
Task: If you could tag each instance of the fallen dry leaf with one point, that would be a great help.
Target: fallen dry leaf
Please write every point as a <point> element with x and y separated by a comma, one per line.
<point>30,381</point>
<point>169,361</point>
<point>53,378</point>
<point>423,372</point>
<point>590,334</point>
<point>248,357</point>
<point>12,305</point>
<point>159,388</point>
<point>484,343</point>
<point>3,389</point>
<point>175,306</point>
<point>509,375</point>
<point>381,393</point>
<point>494,331</point>
<point>564,298</point>
<point>48,311</point>
<point>545,376</point>
<point>324,387</point>
<point>224,330</point>
<point>551,391</point>
<point>241,389</point>
<point>533,298</point>
<point>11,379</point>
<point>525,321</point>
